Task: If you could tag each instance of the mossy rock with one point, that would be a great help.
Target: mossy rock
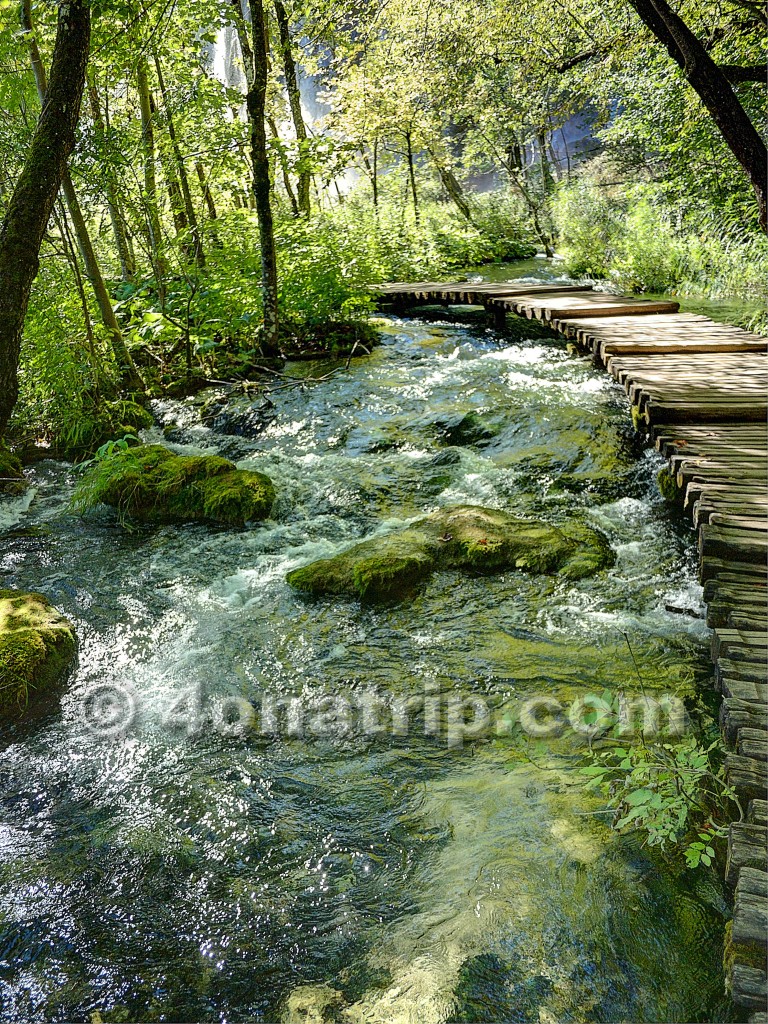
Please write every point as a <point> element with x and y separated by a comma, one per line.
<point>152,484</point>
<point>668,486</point>
<point>12,479</point>
<point>386,569</point>
<point>37,649</point>
<point>465,538</point>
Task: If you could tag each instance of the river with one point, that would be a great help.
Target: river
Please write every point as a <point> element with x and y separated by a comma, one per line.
<point>178,868</point>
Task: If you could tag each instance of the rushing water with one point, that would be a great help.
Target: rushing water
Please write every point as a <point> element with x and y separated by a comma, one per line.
<point>170,871</point>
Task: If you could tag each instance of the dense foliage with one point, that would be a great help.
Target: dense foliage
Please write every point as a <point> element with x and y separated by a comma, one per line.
<point>402,141</point>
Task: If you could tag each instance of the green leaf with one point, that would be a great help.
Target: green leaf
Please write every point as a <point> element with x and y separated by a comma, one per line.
<point>639,796</point>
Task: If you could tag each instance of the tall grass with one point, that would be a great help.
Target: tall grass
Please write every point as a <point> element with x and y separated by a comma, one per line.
<point>635,242</point>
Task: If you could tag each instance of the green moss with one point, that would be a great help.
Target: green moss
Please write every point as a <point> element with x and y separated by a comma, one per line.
<point>37,647</point>
<point>638,421</point>
<point>153,484</point>
<point>465,538</point>
<point>11,473</point>
<point>486,540</point>
<point>391,577</point>
<point>590,552</point>
<point>739,953</point>
<point>667,482</point>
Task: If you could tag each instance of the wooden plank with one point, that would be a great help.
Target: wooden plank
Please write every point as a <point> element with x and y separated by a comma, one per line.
<point>667,411</point>
<point>750,912</point>
<point>752,743</point>
<point>749,988</point>
<point>746,690</point>
<point>757,812</point>
<point>744,571</point>
<point>727,543</point>
<point>586,305</point>
<point>737,714</point>
<point>746,848</point>
<point>746,776</point>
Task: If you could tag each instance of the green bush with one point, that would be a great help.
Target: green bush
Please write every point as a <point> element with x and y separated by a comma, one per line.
<point>589,224</point>
<point>637,242</point>
<point>669,792</point>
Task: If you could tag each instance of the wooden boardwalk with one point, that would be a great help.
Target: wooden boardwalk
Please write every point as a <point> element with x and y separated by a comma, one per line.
<point>699,390</point>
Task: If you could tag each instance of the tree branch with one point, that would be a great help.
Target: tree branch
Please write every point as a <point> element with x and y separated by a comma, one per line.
<point>738,73</point>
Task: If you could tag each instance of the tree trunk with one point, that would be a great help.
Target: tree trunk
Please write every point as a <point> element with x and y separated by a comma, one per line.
<point>452,187</point>
<point>205,189</point>
<point>117,219</point>
<point>371,170</point>
<point>714,90</point>
<point>262,186</point>
<point>284,168</point>
<point>547,178</point>
<point>294,99</point>
<point>34,195</point>
<point>129,376</point>
<point>189,207</point>
<point>177,204</point>
<point>412,177</point>
<point>154,229</point>
<point>242,37</point>
<point>515,176</point>
<point>375,175</point>
<point>209,203</point>
<point>60,219</point>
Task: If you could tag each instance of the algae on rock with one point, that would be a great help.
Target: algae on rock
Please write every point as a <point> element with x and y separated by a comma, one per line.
<point>153,484</point>
<point>37,649</point>
<point>466,538</point>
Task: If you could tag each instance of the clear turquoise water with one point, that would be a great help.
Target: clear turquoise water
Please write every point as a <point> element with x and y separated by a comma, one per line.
<point>171,872</point>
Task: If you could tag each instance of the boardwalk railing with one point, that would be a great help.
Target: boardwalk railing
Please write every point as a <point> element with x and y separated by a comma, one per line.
<point>699,389</point>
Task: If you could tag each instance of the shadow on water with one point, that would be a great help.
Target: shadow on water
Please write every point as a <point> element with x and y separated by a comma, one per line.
<point>175,871</point>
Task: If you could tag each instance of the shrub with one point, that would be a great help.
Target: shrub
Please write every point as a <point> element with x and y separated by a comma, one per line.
<point>670,792</point>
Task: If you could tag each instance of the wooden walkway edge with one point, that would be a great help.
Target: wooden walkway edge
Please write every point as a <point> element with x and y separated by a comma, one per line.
<point>699,391</point>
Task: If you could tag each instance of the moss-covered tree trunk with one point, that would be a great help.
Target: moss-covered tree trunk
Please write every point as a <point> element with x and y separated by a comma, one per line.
<point>451,184</point>
<point>210,203</point>
<point>128,374</point>
<point>291,76</point>
<point>262,186</point>
<point>285,169</point>
<point>34,195</point>
<point>715,91</point>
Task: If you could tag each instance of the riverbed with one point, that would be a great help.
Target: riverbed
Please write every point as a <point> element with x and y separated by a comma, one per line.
<point>169,864</point>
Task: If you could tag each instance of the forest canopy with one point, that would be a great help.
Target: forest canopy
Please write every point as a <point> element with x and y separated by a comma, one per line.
<point>239,174</point>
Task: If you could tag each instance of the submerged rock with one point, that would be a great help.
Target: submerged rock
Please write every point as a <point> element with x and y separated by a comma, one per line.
<point>240,416</point>
<point>466,538</point>
<point>37,649</point>
<point>314,1004</point>
<point>12,479</point>
<point>473,428</point>
<point>153,484</point>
